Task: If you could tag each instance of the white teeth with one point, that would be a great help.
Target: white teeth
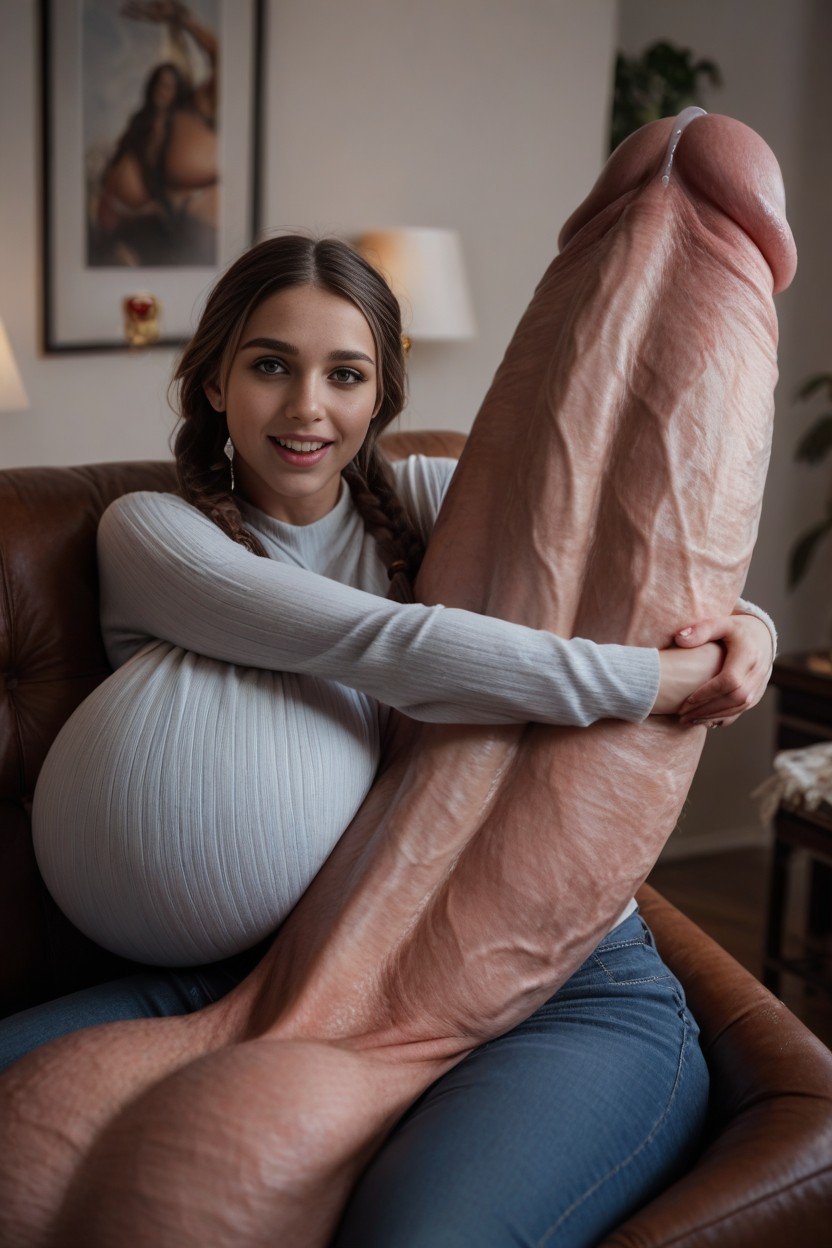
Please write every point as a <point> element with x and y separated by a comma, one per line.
<point>300,446</point>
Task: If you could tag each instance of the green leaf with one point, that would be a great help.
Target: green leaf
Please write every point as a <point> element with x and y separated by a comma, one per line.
<point>814,383</point>
<point>660,82</point>
<point>711,70</point>
<point>815,443</point>
<point>803,549</point>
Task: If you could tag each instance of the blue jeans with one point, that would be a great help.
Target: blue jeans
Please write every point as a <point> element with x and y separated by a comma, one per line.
<point>546,1137</point>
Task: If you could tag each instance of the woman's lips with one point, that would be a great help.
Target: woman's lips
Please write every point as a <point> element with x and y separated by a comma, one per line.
<point>300,459</point>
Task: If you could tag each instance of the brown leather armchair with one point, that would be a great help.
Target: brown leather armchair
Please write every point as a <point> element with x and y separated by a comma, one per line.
<point>765,1174</point>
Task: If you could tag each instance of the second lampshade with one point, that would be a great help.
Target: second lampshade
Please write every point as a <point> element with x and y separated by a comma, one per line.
<point>426,272</point>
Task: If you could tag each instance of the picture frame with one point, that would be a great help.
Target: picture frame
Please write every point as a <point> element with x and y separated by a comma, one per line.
<point>147,195</point>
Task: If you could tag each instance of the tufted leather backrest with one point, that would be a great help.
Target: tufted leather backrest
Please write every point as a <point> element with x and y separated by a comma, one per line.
<point>51,657</point>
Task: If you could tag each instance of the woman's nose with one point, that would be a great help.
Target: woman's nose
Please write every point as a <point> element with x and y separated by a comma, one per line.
<point>304,399</point>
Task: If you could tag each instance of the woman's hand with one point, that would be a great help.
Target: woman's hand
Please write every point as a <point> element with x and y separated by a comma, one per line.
<point>154,10</point>
<point>743,678</point>
<point>683,671</point>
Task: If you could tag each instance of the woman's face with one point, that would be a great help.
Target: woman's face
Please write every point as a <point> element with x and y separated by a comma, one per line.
<point>305,371</point>
<point>163,91</point>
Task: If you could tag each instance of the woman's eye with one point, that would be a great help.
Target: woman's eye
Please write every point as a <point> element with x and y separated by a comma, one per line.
<point>270,367</point>
<point>351,375</point>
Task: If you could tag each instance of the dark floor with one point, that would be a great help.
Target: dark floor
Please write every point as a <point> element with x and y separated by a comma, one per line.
<point>726,895</point>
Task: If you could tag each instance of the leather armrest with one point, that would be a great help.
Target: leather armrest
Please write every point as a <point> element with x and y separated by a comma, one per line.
<point>764,1179</point>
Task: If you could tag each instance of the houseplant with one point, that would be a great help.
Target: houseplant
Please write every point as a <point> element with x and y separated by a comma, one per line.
<point>813,447</point>
<point>660,82</point>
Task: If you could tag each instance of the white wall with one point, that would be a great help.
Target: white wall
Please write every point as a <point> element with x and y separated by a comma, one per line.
<point>477,114</point>
<point>774,56</point>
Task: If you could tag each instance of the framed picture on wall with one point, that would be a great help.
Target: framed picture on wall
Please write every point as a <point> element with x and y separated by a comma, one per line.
<point>151,134</point>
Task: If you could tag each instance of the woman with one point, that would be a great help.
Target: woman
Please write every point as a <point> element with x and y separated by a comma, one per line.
<point>157,202</point>
<point>189,801</point>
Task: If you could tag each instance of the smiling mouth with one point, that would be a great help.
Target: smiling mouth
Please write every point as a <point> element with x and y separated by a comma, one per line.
<point>300,459</point>
<point>301,446</point>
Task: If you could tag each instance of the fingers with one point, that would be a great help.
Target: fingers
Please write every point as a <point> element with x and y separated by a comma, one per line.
<point>697,634</point>
<point>717,711</point>
<point>713,722</point>
<point>728,688</point>
<point>731,692</point>
<point>739,684</point>
<point>734,703</point>
<point>736,685</point>
<point>745,639</point>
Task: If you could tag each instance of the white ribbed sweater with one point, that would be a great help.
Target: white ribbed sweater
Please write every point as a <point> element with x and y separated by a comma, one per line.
<point>188,802</point>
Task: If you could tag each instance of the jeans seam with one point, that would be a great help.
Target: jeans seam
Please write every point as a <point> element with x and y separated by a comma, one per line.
<point>622,944</point>
<point>647,979</point>
<point>682,1013</point>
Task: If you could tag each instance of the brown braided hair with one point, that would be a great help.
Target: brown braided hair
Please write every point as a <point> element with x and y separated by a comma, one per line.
<point>202,470</point>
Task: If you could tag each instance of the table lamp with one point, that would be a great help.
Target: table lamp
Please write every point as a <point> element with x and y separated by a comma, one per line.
<point>12,395</point>
<point>425,270</point>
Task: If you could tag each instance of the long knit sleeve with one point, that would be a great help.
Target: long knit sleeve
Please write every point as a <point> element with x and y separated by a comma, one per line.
<point>167,572</point>
<point>744,607</point>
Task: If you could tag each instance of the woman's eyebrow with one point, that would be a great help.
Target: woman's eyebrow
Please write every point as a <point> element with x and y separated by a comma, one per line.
<point>350,355</point>
<point>275,344</point>
<point>271,344</point>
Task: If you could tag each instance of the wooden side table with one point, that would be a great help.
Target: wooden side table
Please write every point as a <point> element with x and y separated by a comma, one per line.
<point>804,717</point>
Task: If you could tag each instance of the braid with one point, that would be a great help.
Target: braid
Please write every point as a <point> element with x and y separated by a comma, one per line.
<point>204,480</point>
<point>385,517</point>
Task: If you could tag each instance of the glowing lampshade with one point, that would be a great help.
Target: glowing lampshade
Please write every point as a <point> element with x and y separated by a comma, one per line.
<point>12,395</point>
<point>425,270</point>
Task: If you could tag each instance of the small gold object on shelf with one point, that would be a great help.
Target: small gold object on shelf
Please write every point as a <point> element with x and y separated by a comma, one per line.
<point>142,312</point>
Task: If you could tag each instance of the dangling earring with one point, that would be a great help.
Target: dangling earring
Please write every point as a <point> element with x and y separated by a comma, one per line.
<point>228,449</point>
